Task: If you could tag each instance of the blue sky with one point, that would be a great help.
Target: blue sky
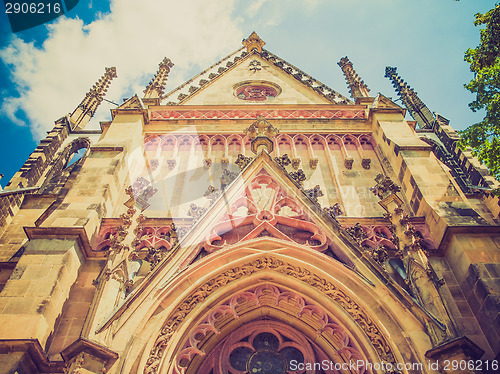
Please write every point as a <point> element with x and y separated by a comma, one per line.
<point>46,71</point>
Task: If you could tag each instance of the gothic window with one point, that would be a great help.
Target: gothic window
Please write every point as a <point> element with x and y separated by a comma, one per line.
<point>62,167</point>
<point>76,156</point>
<point>247,146</point>
<point>266,352</point>
<point>265,356</point>
<point>262,346</point>
<point>202,144</point>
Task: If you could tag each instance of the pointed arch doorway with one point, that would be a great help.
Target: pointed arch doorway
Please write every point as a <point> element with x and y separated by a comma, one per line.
<point>268,329</point>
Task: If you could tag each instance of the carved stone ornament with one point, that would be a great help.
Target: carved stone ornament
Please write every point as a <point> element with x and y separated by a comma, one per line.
<point>348,162</point>
<point>365,163</point>
<point>227,177</point>
<point>313,163</point>
<point>196,211</point>
<point>153,164</point>
<point>298,176</point>
<point>171,164</point>
<point>334,211</point>
<point>267,295</point>
<point>261,127</point>
<point>378,254</point>
<point>283,161</point>
<point>261,133</point>
<point>253,42</point>
<point>296,163</point>
<point>379,341</point>
<point>384,187</point>
<point>207,162</point>
<point>356,232</point>
<point>242,161</point>
<point>212,194</point>
<point>254,66</point>
<point>314,193</point>
<point>224,162</point>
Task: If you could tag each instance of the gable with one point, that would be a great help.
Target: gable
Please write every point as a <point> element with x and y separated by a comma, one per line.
<point>382,101</point>
<point>270,78</point>
<point>251,77</point>
<point>264,202</point>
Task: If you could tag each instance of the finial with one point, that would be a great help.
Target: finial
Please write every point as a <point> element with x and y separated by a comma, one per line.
<point>86,110</point>
<point>412,102</point>
<point>261,133</point>
<point>157,85</point>
<point>390,71</point>
<point>357,87</point>
<point>254,42</point>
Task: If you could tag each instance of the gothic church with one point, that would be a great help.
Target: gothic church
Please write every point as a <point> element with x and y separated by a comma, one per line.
<point>252,220</point>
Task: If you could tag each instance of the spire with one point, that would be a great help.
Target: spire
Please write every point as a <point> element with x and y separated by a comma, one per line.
<point>254,42</point>
<point>357,87</point>
<point>85,111</point>
<point>157,85</point>
<point>415,106</point>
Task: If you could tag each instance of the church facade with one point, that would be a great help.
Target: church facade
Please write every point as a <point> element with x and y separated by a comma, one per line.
<point>252,220</point>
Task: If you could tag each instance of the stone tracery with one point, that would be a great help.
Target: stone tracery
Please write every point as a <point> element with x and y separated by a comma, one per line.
<point>265,209</point>
<point>290,303</point>
<point>175,319</point>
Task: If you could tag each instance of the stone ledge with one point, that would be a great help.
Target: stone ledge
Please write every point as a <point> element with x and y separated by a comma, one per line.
<point>36,356</point>
<point>82,345</point>
<point>460,345</point>
<point>64,233</point>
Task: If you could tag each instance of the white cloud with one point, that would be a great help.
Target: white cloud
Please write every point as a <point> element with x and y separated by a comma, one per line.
<point>134,37</point>
<point>254,7</point>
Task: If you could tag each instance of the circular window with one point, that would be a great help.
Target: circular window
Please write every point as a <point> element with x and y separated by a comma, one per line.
<point>256,91</point>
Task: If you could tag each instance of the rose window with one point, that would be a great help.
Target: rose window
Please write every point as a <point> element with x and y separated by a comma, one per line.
<point>256,91</point>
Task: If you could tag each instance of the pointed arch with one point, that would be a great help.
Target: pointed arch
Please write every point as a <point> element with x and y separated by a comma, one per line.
<point>324,305</point>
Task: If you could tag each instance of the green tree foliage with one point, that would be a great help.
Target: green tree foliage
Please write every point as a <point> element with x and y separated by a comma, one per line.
<point>484,60</point>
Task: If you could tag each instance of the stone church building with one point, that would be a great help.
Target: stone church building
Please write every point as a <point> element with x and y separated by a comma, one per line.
<point>252,220</point>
